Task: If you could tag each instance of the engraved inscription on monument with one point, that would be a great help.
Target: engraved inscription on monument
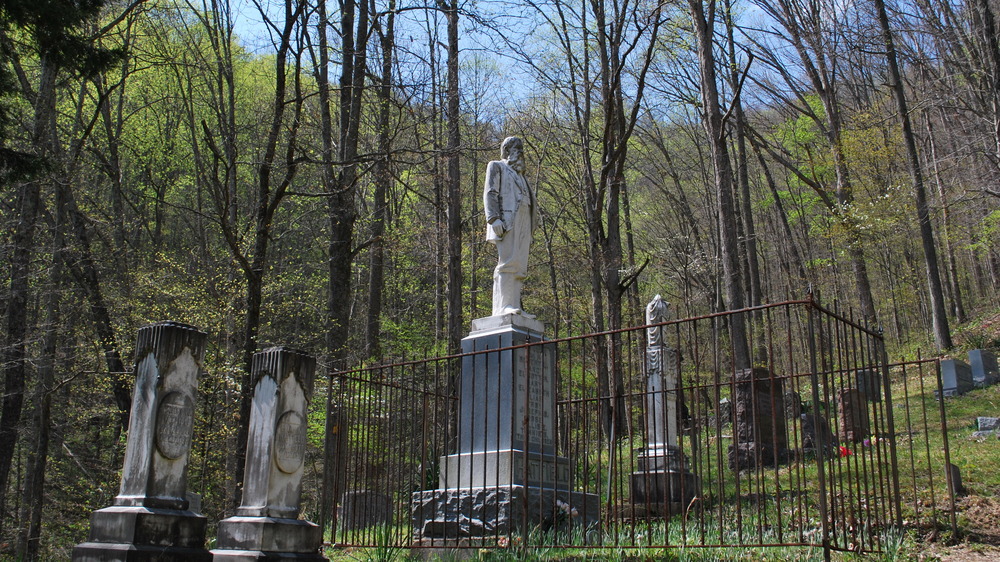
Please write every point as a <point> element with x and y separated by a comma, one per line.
<point>289,442</point>
<point>534,395</point>
<point>174,420</point>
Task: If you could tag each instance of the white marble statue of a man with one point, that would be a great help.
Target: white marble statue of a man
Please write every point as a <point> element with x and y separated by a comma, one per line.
<point>511,217</point>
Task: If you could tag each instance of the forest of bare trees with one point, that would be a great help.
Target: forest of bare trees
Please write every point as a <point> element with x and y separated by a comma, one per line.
<point>310,173</point>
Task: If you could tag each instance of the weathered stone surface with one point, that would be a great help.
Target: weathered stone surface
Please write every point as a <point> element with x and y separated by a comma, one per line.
<point>504,468</point>
<point>114,552</point>
<point>663,476</point>
<point>277,437</point>
<point>265,526</point>
<point>269,534</point>
<point>870,383</point>
<point>725,411</point>
<point>984,368</point>
<point>143,533</point>
<point>507,398</point>
<point>168,361</point>
<point>852,413</point>
<point>483,512</point>
<point>261,556</point>
<point>986,424</point>
<point>150,519</point>
<point>816,434</point>
<point>983,433</point>
<point>760,431</point>
<point>955,481</point>
<point>956,377</point>
<point>361,509</point>
<point>793,405</point>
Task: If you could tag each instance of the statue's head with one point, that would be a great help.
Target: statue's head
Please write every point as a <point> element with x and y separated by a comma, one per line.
<point>512,150</point>
<point>658,310</point>
<point>509,143</point>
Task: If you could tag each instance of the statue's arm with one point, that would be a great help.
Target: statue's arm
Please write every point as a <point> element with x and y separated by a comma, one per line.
<point>491,193</point>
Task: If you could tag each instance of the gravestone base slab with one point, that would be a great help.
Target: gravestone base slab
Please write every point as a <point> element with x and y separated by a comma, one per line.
<point>755,454</point>
<point>260,556</point>
<point>120,533</point>
<point>499,512</point>
<point>108,552</point>
<point>267,538</point>
<point>663,475</point>
<point>655,487</point>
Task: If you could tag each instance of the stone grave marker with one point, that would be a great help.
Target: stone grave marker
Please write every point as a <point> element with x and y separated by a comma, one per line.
<point>793,405</point>
<point>151,519</point>
<point>954,476</point>
<point>506,471</point>
<point>852,414</point>
<point>760,430</point>
<point>266,525</point>
<point>983,364</point>
<point>870,383</point>
<point>987,424</point>
<point>361,509</point>
<point>816,434</point>
<point>663,483</point>
<point>956,377</point>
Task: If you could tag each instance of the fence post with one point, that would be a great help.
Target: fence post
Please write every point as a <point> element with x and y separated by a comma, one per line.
<point>890,419</point>
<point>947,450</point>
<point>820,438</point>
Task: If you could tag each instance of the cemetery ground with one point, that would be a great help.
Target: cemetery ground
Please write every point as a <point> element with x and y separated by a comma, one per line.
<point>926,510</point>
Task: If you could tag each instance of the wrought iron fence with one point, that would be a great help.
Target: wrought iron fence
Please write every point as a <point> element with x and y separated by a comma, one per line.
<point>927,490</point>
<point>652,446</point>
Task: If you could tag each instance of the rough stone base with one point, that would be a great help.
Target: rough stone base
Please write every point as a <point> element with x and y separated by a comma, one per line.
<point>267,538</point>
<point>494,512</point>
<point>755,454</point>
<point>658,486</point>
<point>135,533</point>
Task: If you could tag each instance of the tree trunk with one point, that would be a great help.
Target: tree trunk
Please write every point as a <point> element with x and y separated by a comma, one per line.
<point>14,355</point>
<point>453,116</point>
<point>951,263</point>
<point>939,318</point>
<point>715,129</point>
<point>383,176</point>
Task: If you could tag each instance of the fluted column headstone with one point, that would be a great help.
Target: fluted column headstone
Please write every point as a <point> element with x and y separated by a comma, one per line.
<point>150,519</point>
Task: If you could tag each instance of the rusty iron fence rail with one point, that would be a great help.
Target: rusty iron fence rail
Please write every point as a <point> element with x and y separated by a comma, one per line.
<point>801,449</point>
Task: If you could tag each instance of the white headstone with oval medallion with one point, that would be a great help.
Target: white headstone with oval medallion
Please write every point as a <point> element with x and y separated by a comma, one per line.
<point>266,525</point>
<point>151,519</point>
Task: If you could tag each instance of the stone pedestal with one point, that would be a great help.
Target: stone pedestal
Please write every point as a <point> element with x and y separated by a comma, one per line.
<point>760,431</point>
<point>663,482</point>
<point>852,413</point>
<point>150,519</point>
<point>956,378</point>
<point>506,471</point>
<point>983,365</point>
<point>266,525</point>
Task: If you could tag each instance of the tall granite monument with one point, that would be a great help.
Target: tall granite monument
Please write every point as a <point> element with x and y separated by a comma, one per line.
<point>266,526</point>
<point>150,519</point>
<point>505,473</point>
<point>663,483</point>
